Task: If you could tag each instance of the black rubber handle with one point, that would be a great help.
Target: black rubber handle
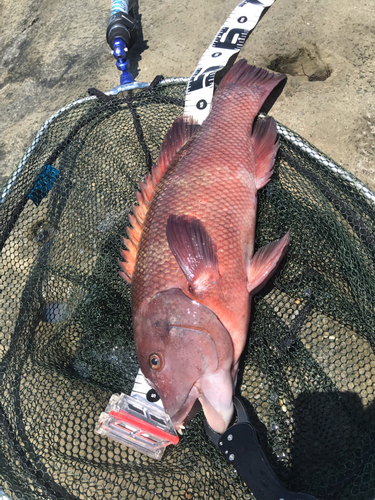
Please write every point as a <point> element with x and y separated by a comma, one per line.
<point>241,447</point>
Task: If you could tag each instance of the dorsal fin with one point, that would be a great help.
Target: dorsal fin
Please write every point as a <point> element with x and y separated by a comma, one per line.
<point>265,146</point>
<point>179,134</point>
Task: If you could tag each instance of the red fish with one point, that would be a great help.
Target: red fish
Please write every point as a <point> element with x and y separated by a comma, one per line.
<point>190,253</point>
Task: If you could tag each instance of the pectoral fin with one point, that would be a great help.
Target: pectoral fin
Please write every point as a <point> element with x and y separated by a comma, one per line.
<point>264,263</point>
<point>194,250</point>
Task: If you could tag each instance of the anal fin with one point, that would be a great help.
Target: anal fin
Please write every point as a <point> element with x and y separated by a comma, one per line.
<point>265,145</point>
<point>264,263</point>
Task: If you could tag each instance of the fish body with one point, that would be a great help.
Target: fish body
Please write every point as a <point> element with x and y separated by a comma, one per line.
<point>190,256</point>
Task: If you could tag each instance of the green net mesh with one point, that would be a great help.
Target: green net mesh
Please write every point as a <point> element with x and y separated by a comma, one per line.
<point>66,342</point>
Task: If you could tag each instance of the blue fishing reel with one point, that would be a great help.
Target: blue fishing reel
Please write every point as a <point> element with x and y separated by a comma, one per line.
<point>122,32</point>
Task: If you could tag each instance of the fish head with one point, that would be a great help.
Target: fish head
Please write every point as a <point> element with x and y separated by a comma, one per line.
<point>186,354</point>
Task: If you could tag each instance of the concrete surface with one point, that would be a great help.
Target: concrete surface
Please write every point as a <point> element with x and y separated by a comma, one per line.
<point>52,52</point>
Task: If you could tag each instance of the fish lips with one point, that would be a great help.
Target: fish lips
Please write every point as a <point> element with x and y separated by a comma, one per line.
<point>183,334</point>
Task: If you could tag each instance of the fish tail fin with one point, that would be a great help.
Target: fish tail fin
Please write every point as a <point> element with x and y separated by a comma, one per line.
<point>263,86</point>
<point>247,90</point>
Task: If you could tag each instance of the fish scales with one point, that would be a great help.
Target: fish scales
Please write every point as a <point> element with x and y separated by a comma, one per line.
<point>211,181</point>
<point>191,256</point>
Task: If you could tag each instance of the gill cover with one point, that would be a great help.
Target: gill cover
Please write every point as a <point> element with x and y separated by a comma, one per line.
<point>192,346</point>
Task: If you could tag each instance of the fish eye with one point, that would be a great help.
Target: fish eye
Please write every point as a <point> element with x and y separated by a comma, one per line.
<point>155,362</point>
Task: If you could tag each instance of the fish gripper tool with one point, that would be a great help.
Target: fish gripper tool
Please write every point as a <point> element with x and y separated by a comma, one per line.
<point>240,445</point>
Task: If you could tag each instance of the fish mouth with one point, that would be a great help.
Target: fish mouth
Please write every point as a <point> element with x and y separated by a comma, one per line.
<point>187,410</point>
<point>217,407</point>
<point>217,418</point>
<point>215,394</point>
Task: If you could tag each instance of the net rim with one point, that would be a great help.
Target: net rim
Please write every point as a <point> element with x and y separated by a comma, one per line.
<point>40,134</point>
<point>283,131</point>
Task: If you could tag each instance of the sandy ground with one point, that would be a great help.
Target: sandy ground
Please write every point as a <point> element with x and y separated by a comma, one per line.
<point>52,52</point>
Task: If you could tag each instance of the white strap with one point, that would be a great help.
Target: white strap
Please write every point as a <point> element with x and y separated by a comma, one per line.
<point>228,41</point>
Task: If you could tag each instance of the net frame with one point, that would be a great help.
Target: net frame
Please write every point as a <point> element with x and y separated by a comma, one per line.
<point>46,487</point>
